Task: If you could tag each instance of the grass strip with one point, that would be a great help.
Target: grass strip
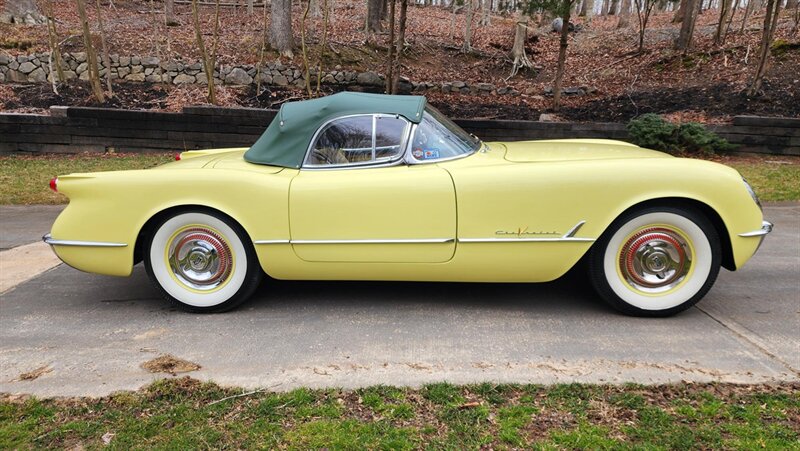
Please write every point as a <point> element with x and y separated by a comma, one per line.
<point>182,413</point>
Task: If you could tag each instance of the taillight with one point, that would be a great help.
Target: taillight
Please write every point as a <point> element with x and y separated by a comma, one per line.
<point>54,184</point>
<point>177,157</point>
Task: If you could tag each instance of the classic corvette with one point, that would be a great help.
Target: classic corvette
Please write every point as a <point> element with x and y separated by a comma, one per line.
<point>370,187</point>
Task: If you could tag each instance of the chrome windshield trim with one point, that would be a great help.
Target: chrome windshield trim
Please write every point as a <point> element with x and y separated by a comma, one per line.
<point>766,228</point>
<point>388,241</point>
<point>53,242</point>
<point>567,237</point>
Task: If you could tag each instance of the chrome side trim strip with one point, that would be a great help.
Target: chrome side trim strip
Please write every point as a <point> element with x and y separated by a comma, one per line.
<point>766,228</point>
<point>400,241</point>
<point>569,236</point>
<point>524,240</point>
<point>49,240</point>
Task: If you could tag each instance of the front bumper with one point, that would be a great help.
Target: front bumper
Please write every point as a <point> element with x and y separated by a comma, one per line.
<point>766,228</point>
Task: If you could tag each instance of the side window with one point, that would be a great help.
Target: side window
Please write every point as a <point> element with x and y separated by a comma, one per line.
<point>389,133</point>
<point>358,140</point>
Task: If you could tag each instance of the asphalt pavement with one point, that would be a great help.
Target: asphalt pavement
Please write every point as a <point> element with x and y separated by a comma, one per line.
<point>89,334</point>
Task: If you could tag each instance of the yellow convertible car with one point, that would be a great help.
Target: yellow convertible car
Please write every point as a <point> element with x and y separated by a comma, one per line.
<point>370,187</point>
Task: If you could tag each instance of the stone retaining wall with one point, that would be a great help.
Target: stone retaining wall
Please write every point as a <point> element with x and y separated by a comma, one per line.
<point>35,68</point>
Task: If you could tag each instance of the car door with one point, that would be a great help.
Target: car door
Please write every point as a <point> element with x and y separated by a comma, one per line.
<point>355,201</point>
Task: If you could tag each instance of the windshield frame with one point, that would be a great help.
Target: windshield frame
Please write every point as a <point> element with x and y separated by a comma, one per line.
<point>449,125</point>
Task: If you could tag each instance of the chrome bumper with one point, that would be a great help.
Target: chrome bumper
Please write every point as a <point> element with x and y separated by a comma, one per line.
<point>49,240</point>
<point>766,228</point>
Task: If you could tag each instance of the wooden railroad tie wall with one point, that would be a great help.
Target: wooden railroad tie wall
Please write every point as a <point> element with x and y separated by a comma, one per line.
<point>80,129</point>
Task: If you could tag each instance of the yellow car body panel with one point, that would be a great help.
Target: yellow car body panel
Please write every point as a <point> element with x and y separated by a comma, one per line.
<point>501,215</point>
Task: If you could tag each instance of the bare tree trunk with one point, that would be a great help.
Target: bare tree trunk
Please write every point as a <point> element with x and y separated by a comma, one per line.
<point>390,71</point>
<point>106,60</point>
<point>263,49</point>
<point>725,10</point>
<point>57,72</point>
<point>643,10</point>
<point>691,11</point>
<point>767,35</point>
<point>374,16</point>
<point>323,44</point>
<point>747,10</point>
<point>401,31</point>
<point>520,59</point>
<point>315,11</point>
<point>280,31</point>
<point>587,8</point>
<point>21,12</point>
<point>624,14</point>
<point>169,13</point>
<point>467,46</point>
<point>678,17</point>
<point>562,60</point>
<point>250,7</point>
<point>303,48</point>
<point>208,65</point>
<point>486,6</point>
<point>612,8</point>
<point>91,56</point>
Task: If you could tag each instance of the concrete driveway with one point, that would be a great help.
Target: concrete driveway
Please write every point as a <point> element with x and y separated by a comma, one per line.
<point>89,334</point>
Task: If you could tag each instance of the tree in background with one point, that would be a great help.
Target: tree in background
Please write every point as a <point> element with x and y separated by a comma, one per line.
<point>56,66</point>
<point>767,35</point>
<point>612,7</point>
<point>624,14</point>
<point>518,55</point>
<point>587,9</point>
<point>643,10</point>
<point>466,47</point>
<point>169,13</point>
<point>725,13</point>
<point>106,60</point>
<point>21,12</point>
<point>209,61</point>
<point>91,56</point>
<point>562,9</point>
<point>374,8</point>
<point>691,9</point>
<point>280,28</point>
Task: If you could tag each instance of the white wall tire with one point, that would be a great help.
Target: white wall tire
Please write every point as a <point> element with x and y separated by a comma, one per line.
<point>656,262</point>
<point>201,261</point>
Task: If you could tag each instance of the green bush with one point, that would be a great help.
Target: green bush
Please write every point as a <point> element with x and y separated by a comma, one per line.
<point>653,132</point>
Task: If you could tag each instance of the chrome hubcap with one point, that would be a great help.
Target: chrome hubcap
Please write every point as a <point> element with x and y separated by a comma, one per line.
<point>655,260</point>
<point>200,258</point>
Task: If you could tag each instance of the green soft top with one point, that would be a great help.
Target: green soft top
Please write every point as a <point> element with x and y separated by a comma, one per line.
<point>285,141</point>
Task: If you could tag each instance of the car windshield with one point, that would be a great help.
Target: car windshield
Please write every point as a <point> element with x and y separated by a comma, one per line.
<point>437,137</point>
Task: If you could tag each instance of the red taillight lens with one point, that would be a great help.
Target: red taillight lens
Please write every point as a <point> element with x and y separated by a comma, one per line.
<point>54,184</point>
<point>177,157</point>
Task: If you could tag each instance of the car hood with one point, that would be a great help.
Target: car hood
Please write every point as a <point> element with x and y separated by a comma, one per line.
<point>575,149</point>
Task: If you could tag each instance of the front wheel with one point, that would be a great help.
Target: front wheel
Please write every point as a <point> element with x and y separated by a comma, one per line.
<point>202,262</point>
<point>656,262</point>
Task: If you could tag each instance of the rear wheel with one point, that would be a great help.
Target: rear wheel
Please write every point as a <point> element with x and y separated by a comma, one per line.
<point>656,262</point>
<point>202,261</point>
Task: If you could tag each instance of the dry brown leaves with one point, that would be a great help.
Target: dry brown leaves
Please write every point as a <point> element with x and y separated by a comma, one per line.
<point>168,363</point>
